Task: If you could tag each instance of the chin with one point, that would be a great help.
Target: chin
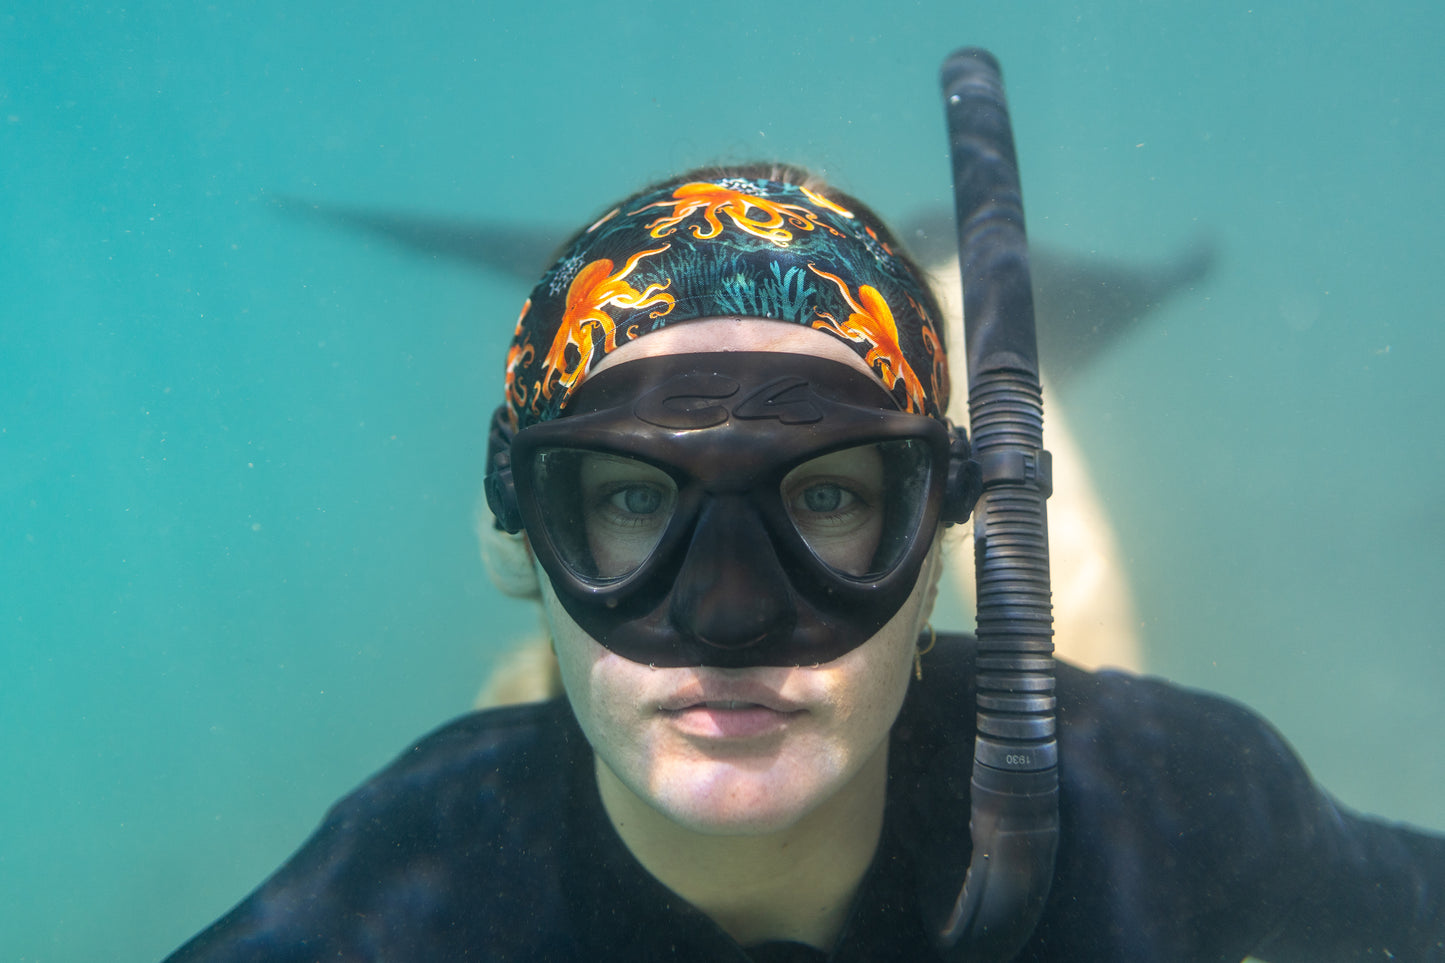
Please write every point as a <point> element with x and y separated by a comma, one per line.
<point>728,799</point>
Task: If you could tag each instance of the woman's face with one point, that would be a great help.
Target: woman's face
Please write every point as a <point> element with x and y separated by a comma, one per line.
<point>741,751</point>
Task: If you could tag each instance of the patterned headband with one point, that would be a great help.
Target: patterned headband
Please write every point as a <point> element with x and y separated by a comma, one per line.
<point>734,247</point>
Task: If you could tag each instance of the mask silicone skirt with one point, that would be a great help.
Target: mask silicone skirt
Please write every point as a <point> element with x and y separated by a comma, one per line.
<point>731,509</point>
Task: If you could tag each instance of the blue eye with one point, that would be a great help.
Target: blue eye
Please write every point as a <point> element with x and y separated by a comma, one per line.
<point>824,498</point>
<point>637,499</point>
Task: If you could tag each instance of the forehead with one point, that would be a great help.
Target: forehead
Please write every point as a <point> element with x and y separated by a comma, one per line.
<point>791,384</point>
<point>706,335</point>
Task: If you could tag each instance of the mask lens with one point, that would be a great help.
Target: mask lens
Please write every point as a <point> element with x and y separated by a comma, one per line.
<point>604,513</point>
<point>858,509</point>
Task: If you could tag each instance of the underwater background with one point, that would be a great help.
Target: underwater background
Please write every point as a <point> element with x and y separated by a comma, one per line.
<point>240,452</point>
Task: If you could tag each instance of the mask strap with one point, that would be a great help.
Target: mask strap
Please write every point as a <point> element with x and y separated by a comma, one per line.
<point>500,489</point>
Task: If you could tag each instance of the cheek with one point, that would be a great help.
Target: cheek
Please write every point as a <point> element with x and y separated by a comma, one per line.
<point>601,686</point>
<point>873,682</point>
<point>576,659</point>
<point>875,676</point>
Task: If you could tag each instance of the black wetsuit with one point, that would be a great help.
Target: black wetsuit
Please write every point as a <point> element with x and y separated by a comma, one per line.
<point>1189,832</point>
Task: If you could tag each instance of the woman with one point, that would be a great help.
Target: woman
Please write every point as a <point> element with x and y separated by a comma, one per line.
<point>723,444</point>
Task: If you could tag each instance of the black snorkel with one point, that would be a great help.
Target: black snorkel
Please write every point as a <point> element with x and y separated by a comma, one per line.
<point>1014,819</point>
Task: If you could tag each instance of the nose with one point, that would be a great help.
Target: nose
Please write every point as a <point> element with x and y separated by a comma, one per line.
<point>732,592</point>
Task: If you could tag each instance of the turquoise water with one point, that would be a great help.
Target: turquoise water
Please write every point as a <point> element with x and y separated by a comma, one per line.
<point>239,453</point>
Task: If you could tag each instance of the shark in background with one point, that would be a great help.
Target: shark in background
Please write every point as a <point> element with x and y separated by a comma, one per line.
<point>1085,303</point>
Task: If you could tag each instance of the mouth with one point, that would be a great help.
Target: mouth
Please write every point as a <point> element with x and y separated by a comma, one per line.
<point>728,698</point>
<point>743,716</point>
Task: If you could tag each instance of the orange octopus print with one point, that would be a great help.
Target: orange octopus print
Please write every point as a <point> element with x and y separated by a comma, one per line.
<point>595,287</point>
<point>828,205</point>
<point>872,323</point>
<point>942,386</point>
<point>521,353</point>
<point>759,216</point>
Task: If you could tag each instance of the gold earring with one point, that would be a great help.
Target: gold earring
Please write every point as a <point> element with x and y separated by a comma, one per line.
<point>918,653</point>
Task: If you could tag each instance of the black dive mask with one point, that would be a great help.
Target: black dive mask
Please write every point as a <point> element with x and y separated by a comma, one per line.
<point>733,509</point>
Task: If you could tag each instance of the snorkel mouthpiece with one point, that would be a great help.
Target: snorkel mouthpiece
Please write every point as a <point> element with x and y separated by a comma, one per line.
<point>731,509</point>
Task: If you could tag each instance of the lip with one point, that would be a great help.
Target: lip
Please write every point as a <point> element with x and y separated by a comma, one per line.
<point>729,711</point>
<point>735,721</point>
<point>718,694</point>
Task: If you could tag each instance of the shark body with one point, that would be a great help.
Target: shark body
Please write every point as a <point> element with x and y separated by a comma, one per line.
<point>1085,302</point>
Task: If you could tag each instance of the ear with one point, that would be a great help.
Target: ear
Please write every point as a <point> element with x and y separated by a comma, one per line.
<point>507,558</point>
